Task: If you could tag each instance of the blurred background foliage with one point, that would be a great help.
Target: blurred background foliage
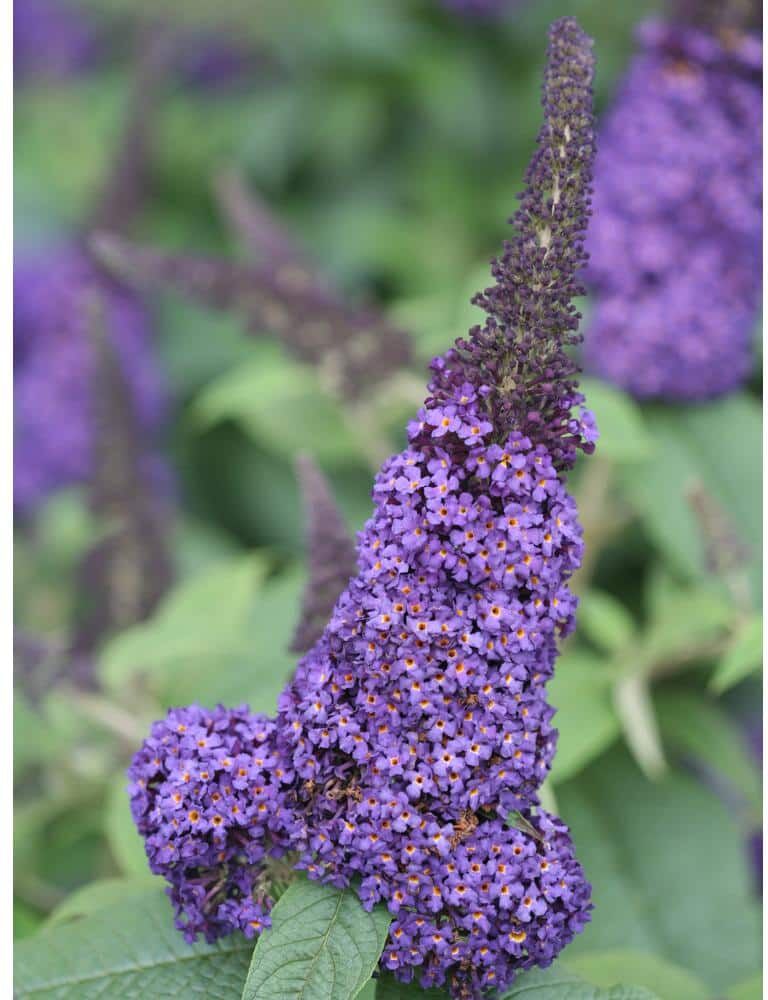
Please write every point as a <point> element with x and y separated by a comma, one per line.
<point>390,139</point>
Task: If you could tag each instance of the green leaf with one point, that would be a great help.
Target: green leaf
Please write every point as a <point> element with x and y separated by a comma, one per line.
<point>100,895</point>
<point>559,983</point>
<point>667,981</point>
<point>700,729</point>
<point>122,836</point>
<point>388,988</point>
<point>184,626</point>
<point>682,620</point>
<point>743,657</point>
<point>696,449</point>
<point>605,620</point>
<point>586,718</point>
<point>747,989</point>
<point>131,951</point>
<point>667,863</point>
<point>632,698</point>
<point>281,404</point>
<point>322,946</point>
<point>623,434</point>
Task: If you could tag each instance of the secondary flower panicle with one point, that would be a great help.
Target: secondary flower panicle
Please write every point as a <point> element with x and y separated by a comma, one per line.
<point>675,246</point>
<point>207,793</point>
<point>518,360</point>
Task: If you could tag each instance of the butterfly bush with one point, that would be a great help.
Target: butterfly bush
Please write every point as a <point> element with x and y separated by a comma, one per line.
<point>408,750</point>
<point>676,240</point>
<point>55,295</point>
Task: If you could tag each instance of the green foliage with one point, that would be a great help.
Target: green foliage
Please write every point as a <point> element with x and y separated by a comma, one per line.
<point>699,729</point>
<point>207,642</point>
<point>130,950</point>
<point>281,404</point>
<point>748,989</point>
<point>586,720</point>
<point>126,845</point>
<point>558,983</point>
<point>388,988</point>
<point>666,862</point>
<point>695,451</point>
<point>101,895</point>
<point>623,434</point>
<point>322,945</point>
<point>662,978</point>
<point>744,656</point>
<point>605,621</point>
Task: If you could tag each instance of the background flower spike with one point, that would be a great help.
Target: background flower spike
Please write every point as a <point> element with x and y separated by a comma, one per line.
<point>127,571</point>
<point>331,554</point>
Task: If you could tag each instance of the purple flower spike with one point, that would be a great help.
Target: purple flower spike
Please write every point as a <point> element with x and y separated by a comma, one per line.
<point>675,248</point>
<point>54,364</point>
<point>517,361</point>
<point>419,719</point>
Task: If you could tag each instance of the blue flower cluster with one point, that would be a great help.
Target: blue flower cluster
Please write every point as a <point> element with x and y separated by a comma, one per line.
<point>675,245</point>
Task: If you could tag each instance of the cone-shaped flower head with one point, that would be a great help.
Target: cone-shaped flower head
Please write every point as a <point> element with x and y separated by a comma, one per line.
<point>517,362</point>
<point>419,720</point>
<point>676,240</point>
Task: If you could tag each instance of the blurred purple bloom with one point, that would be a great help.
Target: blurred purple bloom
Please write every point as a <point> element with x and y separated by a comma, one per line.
<point>54,429</point>
<point>479,8</point>
<point>675,243</point>
<point>51,38</point>
<point>214,62</point>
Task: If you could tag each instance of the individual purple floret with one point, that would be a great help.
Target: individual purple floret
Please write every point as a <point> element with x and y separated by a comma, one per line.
<point>55,294</point>
<point>207,794</point>
<point>675,247</point>
<point>51,38</point>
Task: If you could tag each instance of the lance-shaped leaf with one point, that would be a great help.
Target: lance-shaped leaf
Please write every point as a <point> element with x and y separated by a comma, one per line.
<point>128,570</point>
<point>353,348</point>
<point>322,946</point>
<point>332,559</point>
<point>127,950</point>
